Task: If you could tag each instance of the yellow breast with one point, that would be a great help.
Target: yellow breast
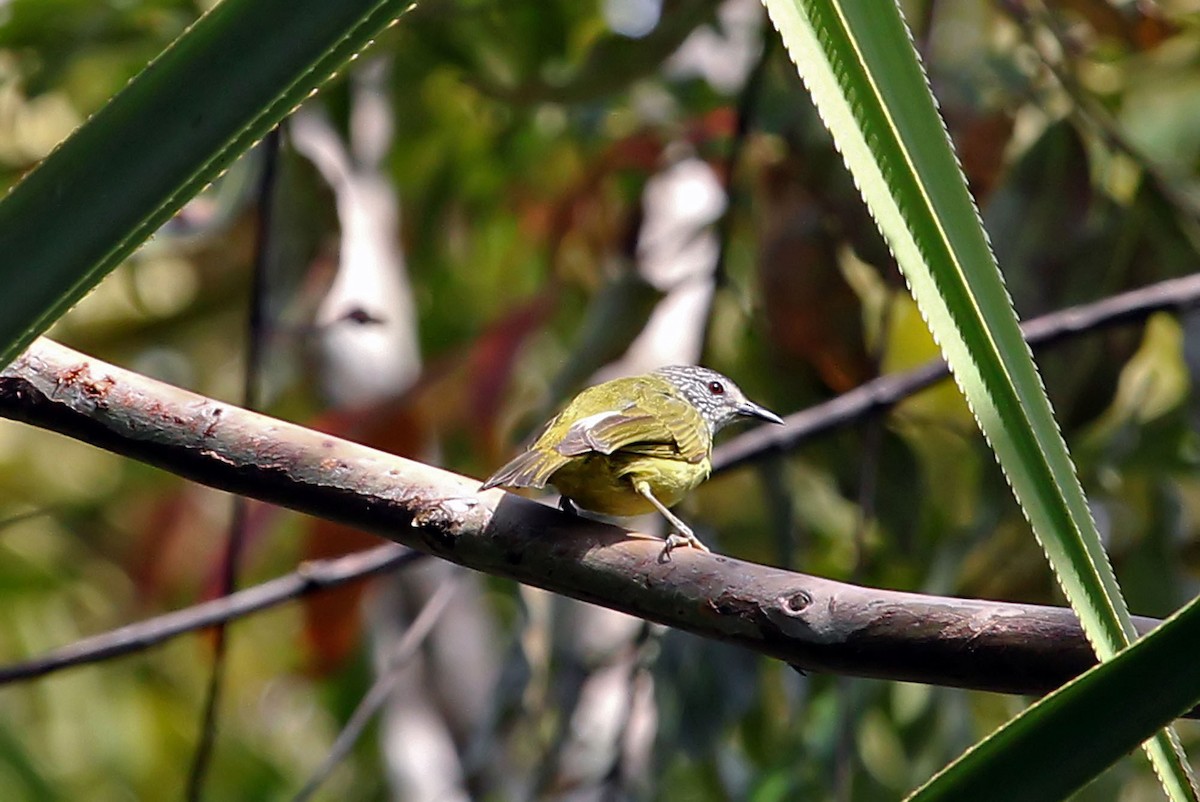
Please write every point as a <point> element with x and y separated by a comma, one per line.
<point>604,483</point>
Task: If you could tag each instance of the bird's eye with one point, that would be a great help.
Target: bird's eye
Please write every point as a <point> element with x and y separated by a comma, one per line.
<point>716,388</point>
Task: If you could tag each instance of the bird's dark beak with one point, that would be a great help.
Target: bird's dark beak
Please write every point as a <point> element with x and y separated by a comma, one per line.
<point>752,410</point>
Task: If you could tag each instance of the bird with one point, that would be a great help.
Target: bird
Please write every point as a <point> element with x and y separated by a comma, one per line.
<point>634,445</point>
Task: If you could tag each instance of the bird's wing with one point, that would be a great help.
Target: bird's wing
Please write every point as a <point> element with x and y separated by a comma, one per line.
<point>676,429</point>
<point>688,429</point>
<point>600,433</point>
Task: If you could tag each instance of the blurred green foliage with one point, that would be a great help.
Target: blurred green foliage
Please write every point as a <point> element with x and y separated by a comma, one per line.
<point>524,137</point>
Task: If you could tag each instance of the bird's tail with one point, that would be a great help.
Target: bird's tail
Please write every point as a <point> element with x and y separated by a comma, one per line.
<point>531,468</point>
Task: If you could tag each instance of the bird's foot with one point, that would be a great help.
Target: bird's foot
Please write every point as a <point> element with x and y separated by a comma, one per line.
<point>566,505</point>
<point>683,537</point>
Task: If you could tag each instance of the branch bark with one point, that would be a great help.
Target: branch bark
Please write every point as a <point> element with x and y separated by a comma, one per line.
<point>813,623</point>
<point>311,577</point>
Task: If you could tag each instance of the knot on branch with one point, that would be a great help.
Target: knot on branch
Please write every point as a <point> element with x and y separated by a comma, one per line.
<point>796,614</point>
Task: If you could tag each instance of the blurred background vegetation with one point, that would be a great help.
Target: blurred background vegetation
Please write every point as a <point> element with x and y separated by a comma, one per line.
<point>501,204</point>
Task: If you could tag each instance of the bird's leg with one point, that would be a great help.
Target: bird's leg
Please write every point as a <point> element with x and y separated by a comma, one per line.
<point>566,505</point>
<point>683,534</point>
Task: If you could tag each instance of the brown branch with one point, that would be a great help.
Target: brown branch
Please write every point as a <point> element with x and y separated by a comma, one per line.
<point>880,394</point>
<point>312,577</point>
<point>814,623</point>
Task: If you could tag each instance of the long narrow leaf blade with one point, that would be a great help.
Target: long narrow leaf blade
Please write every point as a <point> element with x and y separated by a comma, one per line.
<point>219,88</point>
<point>857,60</point>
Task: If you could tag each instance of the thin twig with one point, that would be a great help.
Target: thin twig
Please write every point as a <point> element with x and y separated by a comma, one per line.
<point>235,543</point>
<point>645,647</point>
<point>746,108</point>
<point>312,577</point>
<point>880,394</point>
<point>382,688</point>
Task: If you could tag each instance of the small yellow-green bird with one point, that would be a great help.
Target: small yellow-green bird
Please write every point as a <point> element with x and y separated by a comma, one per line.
<point>634,445</point>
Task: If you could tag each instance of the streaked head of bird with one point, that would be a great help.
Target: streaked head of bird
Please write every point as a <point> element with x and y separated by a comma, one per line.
<point>718,399</point>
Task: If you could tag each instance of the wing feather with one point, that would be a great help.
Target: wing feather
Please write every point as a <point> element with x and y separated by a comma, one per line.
<point>687,428</point>
<point>605,432</point>
<point>674,429</point>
